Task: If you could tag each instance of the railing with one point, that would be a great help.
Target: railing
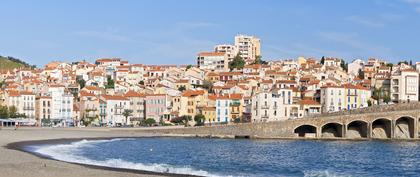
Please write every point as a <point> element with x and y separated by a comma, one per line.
<point>265,107</point>
<point>29,108</point>
<point>413,105</point>
<point>119,107</point>
<point>235,104</point>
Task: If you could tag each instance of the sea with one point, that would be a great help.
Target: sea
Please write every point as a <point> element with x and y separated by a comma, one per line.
<point>242,157</point>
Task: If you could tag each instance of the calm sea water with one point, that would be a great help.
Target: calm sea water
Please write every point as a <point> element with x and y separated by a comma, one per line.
<point>227,157</point>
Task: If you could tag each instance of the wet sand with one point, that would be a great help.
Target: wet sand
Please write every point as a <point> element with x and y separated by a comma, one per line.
<point>15,162</point>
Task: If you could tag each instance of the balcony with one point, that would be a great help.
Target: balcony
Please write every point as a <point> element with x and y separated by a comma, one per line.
<point>264,116</point>
<point>29,108</point>
<point>265,107</point>
<point>235,104</point>
<point>395,89</point>
<point>102,114</point>
<point>119,106</point>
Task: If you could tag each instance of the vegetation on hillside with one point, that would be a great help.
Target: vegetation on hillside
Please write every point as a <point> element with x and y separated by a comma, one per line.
<point>7,63</point>
<point>237,63</point>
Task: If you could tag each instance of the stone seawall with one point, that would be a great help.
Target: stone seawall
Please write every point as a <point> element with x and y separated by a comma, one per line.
<point>398,124</point>
<point>281,129</point>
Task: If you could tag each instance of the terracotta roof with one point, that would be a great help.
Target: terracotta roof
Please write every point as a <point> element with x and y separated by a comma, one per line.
<point>309,102</point>
<point>26,93</point>
<point>114,97</point>
<point>84,93</point>
<point>133,93</point>
<point>189,93</point>
<point>92,88</point>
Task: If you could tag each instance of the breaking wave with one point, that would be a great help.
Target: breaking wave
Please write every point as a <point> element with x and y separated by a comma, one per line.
<point>69,153</point>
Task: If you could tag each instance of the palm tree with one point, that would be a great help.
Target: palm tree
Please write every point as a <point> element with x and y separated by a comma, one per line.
<point>126,114</point>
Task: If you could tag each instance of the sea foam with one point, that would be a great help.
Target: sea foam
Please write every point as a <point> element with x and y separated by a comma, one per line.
<point>69,153</point>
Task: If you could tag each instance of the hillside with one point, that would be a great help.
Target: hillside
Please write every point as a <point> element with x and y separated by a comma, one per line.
<point>7,63</point>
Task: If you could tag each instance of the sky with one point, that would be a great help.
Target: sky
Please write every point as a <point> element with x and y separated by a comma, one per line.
<point>174,31</point>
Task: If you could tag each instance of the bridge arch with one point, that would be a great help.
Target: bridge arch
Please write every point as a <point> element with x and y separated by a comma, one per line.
<point>332,130</point>
<point>306,130</point>
<point>381,128</point>
<point>404,127</point>
<point>357,129</point>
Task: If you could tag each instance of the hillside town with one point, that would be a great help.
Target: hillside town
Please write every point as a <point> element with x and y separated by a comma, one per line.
<point>228,84</point>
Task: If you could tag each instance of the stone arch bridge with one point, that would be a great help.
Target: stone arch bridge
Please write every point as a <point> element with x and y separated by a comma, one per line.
<point>377,125</point>
<point>398,121</point>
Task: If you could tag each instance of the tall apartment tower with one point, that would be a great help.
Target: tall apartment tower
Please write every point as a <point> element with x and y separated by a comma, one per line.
<point>248,46</point>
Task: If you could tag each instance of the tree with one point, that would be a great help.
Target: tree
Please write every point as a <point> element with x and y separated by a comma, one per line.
<point>387,99</point>
<point>181,88</point>
<point>81,82</point>
<point>127,113</point>
<point>150,121</point>
<point>389,65</point>
<point>189,67</point>
<point>369,103</point>
<point>361,74</point>
<point>110,83</point>
<point>258,60</point>
<point>322,60</point>
<point>141,82</point>
<point>405,62</point>
<point>199,119</point>
<point>2,83</point>
<point>86,121</point>
<point>344,65</point>
<point>237,62</point>
<point>208,86</point>
<point>13,112</point>
<point>4,112</point>
<point>183,119</point>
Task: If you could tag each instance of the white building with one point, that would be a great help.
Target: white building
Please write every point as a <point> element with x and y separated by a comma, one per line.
<point>111,109</point>
<point>23,101</point>
<point>405,85</point>
<point>230,50</point>
<point>355,66</point>
<point>215,61</point>
<point>345,97</point>
<point>272,105</point>
<point>61,105</point>
<point>222,109</point>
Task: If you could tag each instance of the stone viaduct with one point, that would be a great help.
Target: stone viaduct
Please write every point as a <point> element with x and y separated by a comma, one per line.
<point>399,121</point>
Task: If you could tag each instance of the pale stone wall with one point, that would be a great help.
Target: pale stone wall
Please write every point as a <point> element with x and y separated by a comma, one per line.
<point>286,128</point>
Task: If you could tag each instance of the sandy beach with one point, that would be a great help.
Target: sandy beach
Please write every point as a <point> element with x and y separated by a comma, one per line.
<point>17,163</point>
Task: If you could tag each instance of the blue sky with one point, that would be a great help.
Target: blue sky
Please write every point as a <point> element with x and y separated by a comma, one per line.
<point>173,32</point>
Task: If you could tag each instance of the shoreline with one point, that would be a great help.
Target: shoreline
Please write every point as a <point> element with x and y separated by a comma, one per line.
<point>22,147</point>
<point>18,161</point>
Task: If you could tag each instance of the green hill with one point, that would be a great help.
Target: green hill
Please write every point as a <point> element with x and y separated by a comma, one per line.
<point>8,63</point>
